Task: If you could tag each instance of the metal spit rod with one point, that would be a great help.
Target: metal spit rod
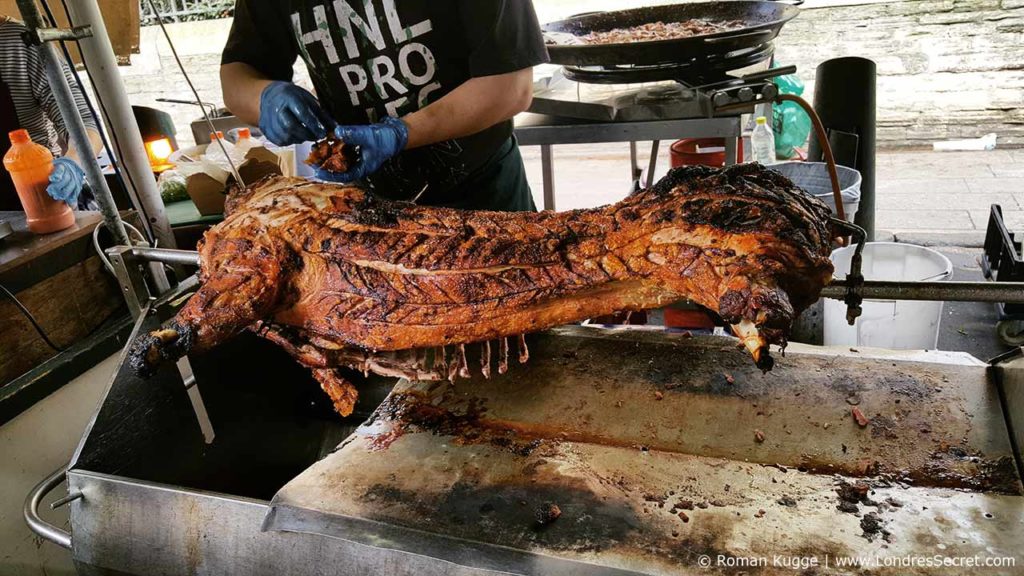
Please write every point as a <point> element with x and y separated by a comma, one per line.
<point>1009,292</point>
<point>167,256</point>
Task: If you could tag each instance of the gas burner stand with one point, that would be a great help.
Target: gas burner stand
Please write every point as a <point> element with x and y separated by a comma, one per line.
<point>599,104</point>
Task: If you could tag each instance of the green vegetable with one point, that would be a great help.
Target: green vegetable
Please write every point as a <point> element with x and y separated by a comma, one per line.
<point>172,189</point>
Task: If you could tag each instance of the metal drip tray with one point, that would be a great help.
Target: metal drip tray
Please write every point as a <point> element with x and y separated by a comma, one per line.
<point>678,448</point>
<point>656,449</point>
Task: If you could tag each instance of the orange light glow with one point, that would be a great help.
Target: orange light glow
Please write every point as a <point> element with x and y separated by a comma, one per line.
<point>158,152</point>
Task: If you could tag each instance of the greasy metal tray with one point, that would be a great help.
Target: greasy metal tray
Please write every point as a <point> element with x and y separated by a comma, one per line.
<point>661,450</point>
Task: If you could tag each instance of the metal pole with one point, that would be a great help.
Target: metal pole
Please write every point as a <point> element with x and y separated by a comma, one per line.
<point>1008,292</point>
<point>98,54</point>
<point>172,257</point>
<point>73,122</point>
<point>547,163</point>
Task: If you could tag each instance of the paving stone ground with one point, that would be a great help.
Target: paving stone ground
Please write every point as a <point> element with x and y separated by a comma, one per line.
<point>919,193</point>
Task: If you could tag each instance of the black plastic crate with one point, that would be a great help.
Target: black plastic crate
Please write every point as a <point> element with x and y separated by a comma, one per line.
<point>1002,261</point>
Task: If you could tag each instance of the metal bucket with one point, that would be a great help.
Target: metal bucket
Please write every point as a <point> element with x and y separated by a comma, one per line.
<point>813,177</point>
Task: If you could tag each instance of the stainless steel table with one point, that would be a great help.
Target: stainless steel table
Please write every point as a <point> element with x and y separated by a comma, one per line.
<point>546,131</point>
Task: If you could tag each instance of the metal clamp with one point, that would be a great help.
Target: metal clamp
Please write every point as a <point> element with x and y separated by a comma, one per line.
<point>854,279</point>
<point>40,36</point>
<point>36,524</point>
<point>130,277</point>
<point>127,263</point>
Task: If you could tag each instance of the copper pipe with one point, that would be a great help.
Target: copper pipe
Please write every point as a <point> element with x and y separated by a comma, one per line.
<point>819,130</point>
<point>826,149</point>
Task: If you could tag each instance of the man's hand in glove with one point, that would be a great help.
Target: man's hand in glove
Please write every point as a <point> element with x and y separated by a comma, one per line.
<point>290,115</point>
<point>66,181</point>
<point>377,143</point>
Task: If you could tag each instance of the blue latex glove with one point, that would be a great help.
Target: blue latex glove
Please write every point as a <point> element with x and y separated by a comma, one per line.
<point>66,181</point>
<point>290,115</point>
<point>377,144</point>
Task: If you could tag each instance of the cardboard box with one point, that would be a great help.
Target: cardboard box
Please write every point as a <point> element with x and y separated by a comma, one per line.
<point>207,188</point>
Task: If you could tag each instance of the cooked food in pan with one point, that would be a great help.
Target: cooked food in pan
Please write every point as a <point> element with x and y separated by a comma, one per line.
<point>660,31</point>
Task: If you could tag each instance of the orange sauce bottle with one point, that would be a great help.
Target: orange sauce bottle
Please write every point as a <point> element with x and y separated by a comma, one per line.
<point>30,165</point>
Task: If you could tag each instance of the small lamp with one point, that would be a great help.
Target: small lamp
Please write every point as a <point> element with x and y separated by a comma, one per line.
<point>157,130</point>
<point>159,151</point>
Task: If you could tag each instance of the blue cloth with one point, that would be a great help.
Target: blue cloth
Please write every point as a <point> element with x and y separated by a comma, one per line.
<point>66,181</point>
<point>290,115</point>
<point>376,143</point>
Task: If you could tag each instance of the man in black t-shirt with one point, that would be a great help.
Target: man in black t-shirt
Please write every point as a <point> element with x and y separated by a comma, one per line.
<point>425,88</point>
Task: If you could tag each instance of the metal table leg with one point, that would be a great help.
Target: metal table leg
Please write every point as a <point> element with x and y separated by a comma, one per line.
<point>634,169</point>
<point>653,164</point>
<point>548,172</point>
<point>731,149</point>
<point>635,172</point>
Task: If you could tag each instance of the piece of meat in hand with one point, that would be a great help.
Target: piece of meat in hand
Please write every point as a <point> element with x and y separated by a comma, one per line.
<point>331,154</point>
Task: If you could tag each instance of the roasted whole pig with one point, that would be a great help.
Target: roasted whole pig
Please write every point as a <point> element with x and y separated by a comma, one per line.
<point>344,279</point>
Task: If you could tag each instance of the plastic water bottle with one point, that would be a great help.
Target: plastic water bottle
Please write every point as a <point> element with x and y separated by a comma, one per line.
<point>215,152</point>
<point>763,142</point>
<point>245,142</point>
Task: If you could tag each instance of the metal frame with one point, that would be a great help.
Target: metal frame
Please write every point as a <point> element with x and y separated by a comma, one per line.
<point>36,524</point>
<point>128,266</point>
<point>128,262</point>
<point>98,55</point>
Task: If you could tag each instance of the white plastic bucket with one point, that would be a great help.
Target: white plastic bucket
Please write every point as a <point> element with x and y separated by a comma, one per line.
<point>896,325</point>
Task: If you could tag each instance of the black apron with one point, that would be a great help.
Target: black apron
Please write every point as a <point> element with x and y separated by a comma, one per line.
<point>500,184</point>
<point>8,123</point>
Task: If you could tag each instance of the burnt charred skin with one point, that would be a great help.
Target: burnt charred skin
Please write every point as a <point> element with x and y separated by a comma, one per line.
<point>151,350</point>
<point>344,279</point>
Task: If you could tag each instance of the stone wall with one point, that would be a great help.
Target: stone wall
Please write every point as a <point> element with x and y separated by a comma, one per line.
<point>947,68</point>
